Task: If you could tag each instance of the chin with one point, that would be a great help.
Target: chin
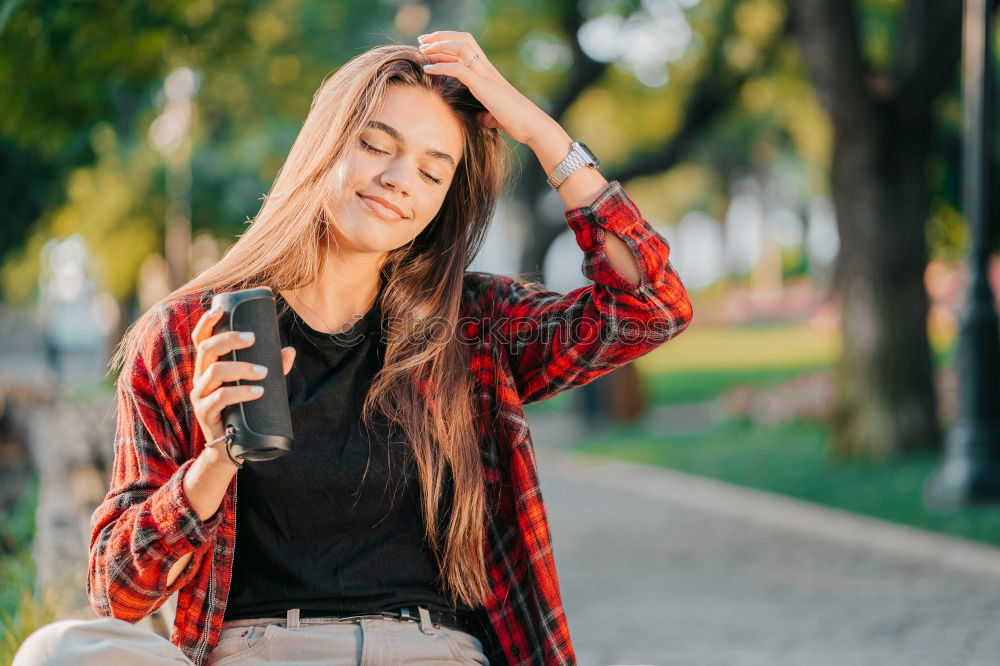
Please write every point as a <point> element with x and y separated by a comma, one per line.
<point>376,242</point>
<point>369,233</point>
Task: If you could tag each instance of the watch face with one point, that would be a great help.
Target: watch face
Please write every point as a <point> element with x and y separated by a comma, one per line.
<point>589,153</point>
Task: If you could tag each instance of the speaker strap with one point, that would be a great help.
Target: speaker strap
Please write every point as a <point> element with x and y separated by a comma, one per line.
<point>228,439</point>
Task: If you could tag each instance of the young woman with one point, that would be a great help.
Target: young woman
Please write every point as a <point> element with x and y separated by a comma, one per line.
<point>406,525</point>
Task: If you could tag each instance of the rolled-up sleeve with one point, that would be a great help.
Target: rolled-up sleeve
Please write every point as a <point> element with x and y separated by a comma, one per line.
<point>556,341</point>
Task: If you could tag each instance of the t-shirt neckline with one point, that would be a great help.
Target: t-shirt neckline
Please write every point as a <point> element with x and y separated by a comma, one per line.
<point>368,323</point>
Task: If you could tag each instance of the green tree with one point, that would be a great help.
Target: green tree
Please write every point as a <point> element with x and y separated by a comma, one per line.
<point>878,68</point>
<point>71,71</point>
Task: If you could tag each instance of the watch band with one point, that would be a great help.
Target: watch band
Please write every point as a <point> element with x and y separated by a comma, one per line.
<point>579,156</point>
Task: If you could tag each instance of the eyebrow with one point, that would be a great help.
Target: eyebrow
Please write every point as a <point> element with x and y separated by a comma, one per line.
<point>394,133</point>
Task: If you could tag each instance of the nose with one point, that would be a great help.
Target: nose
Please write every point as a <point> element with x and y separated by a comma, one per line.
<point>396,176</point>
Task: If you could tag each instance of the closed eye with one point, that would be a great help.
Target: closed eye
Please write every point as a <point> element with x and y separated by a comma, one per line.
<point>372,149</point>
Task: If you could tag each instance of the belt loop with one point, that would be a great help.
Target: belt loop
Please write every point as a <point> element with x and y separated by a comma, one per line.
<point>292,619</point>
<point>425,620</point>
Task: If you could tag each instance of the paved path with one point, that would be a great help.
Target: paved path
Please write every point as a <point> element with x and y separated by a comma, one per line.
<point>648,579</point>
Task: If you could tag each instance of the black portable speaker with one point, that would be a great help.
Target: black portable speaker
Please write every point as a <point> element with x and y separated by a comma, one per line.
<point>262,427</point>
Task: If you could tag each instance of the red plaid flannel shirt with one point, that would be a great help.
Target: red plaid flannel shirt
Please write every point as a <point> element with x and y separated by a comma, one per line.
<point>527,344</point>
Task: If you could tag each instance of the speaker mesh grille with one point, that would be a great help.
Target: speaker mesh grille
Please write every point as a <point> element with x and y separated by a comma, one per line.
<point>268,414</point>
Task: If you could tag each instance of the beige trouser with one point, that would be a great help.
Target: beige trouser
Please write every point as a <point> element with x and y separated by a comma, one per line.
<point>367,641</point>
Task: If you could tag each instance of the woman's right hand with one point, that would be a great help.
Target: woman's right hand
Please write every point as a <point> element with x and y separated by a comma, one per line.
<point>208,477</point>
<point>208,396</point>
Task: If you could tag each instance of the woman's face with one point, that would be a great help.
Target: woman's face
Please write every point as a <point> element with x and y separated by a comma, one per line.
<point>406,157</point>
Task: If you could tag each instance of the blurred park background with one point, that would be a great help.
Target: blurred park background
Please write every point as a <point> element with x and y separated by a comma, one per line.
<point>803,157</point>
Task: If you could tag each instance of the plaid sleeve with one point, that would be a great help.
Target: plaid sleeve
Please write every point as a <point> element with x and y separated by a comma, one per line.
<point>559,341</point>
<point>146,523</point>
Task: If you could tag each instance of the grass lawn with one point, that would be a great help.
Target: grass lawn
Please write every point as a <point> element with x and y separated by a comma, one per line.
<point>791,459</point>
<point>751,347</point>
<point>788,458</point>
<point>703,362</point>
<point>22,608</point>
<point>695,386</point>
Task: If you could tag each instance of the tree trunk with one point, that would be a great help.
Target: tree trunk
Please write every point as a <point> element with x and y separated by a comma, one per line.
<point>885,402</point>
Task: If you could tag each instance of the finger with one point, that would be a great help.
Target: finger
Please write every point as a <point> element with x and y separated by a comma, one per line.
<point>205,324</point>
<point>455,69</point>
<point>210,349</point>
<point>228,395</point>
<point>226,371</point>
<point>448,47</point>
<point>446,34</point>
<point>460,45</point>
<point>287,359</point>
<point>442,57</point>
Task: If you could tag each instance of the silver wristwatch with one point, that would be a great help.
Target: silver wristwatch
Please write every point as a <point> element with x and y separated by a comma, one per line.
<point>579,156</point>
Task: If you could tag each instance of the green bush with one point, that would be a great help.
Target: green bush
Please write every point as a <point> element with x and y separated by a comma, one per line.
<point>23,607</point>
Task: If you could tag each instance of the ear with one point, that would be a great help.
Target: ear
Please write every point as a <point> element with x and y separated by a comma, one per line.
<point>487,119</point>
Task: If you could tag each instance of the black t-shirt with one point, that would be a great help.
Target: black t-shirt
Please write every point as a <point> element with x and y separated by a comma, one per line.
<point>335,525</point>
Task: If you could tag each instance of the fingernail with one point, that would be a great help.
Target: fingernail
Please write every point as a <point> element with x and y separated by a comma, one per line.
<point>423,37</point>
<point>424,46</point>
<point>247,337</point>
<point>257,389</point>
<point>260,370</point>
<point>429,67</point>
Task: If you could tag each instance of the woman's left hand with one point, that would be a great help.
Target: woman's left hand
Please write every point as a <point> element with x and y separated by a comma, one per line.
<point>457,54</point>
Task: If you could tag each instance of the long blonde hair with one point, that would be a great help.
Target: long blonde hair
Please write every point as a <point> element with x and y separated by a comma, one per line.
<point>422,285</point>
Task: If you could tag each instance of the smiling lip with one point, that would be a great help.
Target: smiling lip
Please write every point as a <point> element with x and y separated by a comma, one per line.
<point>382,208</point>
